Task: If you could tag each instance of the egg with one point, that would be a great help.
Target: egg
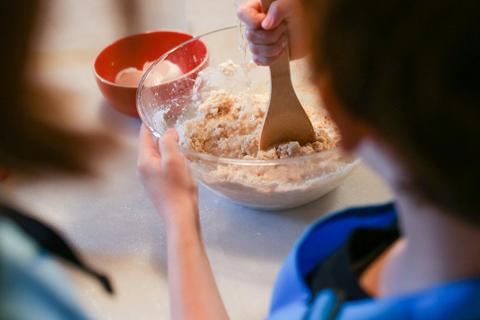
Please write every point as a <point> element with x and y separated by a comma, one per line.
<point>165,71</point>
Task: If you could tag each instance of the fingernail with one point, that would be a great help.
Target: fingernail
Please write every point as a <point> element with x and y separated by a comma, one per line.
<point>284,41</point>
<point>173,133</point>
<point>257,61</point>
<point>168,132</point>
<point>267,22</point>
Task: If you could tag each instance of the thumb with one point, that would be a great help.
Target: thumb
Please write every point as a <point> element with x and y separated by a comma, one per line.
<point>275,15</point>
<point>174,134</point>
<point>168,146</point>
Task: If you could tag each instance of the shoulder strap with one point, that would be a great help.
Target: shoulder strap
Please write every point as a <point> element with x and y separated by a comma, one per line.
<point>51,241</point>
<point>326,305</point>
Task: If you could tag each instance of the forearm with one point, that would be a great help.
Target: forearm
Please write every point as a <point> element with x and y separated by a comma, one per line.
<point>170,184</point>
<point>193,290</point>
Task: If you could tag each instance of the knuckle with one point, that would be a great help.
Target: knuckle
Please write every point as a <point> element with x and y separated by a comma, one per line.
<point>243,15</point>
<point>261,36</point>
<point>254,49</point>
<point>250,35</point>
<point>171,163</point>
<point>277,48</point>
<point>240,11</point>
<point>145,167</point>
<point>163,141</point>
<point>141,165</point>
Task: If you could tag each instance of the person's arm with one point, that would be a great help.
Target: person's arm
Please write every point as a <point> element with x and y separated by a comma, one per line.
<point>170,184</point>
<point>267,33</point>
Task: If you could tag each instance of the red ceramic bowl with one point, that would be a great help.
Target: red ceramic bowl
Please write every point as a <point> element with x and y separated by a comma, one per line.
<point>134,51</point>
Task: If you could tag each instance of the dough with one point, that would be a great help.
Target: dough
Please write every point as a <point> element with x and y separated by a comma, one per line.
<point>230,126</point>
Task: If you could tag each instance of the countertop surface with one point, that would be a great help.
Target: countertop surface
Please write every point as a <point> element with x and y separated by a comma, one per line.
<point>108,217</point>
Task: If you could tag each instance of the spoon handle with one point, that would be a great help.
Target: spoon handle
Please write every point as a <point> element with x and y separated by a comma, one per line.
<point>266,5</point>
<point>281,68</point>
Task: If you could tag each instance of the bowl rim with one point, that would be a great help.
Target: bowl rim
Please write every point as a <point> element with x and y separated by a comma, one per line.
<point>103,80</point>
<point>213,158</point>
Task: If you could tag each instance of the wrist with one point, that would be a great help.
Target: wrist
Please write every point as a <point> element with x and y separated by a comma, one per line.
<point>180,219</point>
<point>183,233</point>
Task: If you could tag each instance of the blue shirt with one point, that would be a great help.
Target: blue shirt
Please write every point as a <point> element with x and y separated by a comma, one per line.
<point>292,298</point>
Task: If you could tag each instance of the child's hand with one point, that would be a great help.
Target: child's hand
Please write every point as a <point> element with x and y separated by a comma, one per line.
<point>167,178</point>
<point>267,34</point>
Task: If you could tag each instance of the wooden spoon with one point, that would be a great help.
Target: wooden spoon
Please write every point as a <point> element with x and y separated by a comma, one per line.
<point>285,119</point>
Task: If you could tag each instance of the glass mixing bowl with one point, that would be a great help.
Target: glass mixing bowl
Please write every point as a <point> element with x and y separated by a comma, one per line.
<point>260,184</point>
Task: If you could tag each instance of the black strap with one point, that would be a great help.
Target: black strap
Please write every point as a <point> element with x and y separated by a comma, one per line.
<point>344,267</point>
<point>51,241</point>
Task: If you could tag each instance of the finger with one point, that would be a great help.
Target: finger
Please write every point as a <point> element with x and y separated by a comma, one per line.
<point>174,133</point>
<point>251,14</point>
<point>275,16</point>
<point>261,36</point>
<point>146,146</point>
<point>168,146</point>
<point>269,51</point>
<point>191,176</point>
<point>264,61</point>
<point>189,170</point>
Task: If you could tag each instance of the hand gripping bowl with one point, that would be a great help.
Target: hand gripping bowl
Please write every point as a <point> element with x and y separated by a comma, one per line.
<point>260,184</point>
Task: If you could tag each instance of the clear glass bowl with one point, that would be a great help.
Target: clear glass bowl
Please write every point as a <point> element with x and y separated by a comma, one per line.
<point>260,184</point>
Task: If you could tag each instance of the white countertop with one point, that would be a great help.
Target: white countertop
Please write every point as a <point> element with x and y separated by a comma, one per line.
<point>109,219</point>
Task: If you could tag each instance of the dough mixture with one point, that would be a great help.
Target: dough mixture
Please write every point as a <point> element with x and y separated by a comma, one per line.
<point>230,126</point>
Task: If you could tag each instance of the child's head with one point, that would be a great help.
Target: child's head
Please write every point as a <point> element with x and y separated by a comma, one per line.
<point>410,70</point>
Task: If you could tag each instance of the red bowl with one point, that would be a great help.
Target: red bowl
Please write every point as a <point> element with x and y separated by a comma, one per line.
<point>134,51</point>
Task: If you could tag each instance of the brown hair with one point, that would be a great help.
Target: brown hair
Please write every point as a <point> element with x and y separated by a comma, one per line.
<point>410,69</point>
<point>28,141</point>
